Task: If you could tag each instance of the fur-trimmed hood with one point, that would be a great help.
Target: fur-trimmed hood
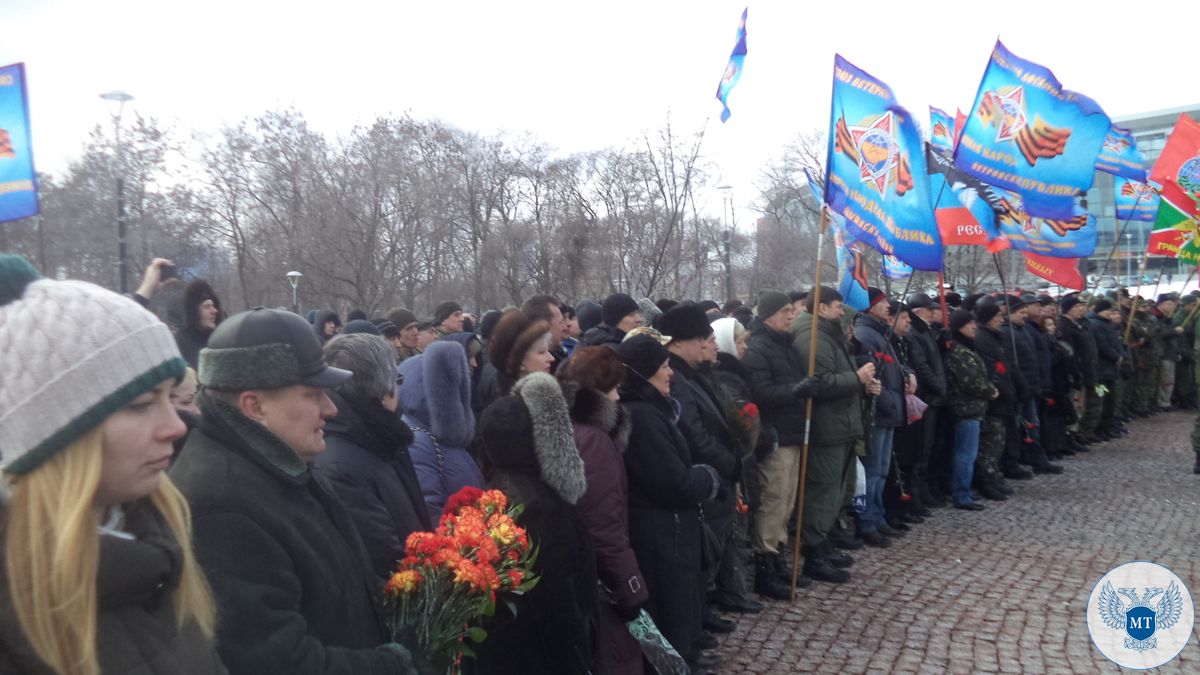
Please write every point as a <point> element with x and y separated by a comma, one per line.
<point>529,431</point>
<point>437,392</point>
<point>591,407</point>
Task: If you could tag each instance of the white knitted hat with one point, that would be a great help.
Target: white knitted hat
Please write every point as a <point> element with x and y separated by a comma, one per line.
<point>71,354</point>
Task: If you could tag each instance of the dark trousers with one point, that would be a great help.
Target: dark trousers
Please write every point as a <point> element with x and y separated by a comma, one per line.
<point>1108,405</point>
<point>907,446</point>
<point>1010,459</point>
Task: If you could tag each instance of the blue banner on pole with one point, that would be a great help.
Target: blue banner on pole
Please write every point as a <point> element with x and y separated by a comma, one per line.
<point>1073,237</point>
<point>18,180</point>
<point>1026,134</point>
<point>894,268</point>
<point>1120,156</point>
<point>733,72</point>
<point>876,170</point>
<point>941,130</point>
<point>1135,201</point>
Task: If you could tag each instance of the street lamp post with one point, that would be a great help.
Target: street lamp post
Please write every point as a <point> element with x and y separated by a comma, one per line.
<point>116,101</point>
<point>293,278</point>
<point>727,209</point>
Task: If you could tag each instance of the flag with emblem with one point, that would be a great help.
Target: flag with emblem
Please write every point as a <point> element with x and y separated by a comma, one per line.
<point>1026,134</point>
<point>733,72</point>
<point>1179,162</point>
<point>1061,271</point>
<point>1120,156</point>
<point>941,130</point>
<point>1073,237</point>
<point>876,177</point>
<point>18,180</point>
<point>853,281</point>
<point>1134,200</point>
<point>894,268</point>
<point>1176,226</point>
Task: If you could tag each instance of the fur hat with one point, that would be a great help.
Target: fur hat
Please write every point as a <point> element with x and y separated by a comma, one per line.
<point>530,431</point>
<point>596,368</point>
<point>58,384</point>
<point>616,307</point>
<point>649,311</point>
<point>511,339</point>
<point>685,322</point>
<point>193,296</point>
<point>265,349</point>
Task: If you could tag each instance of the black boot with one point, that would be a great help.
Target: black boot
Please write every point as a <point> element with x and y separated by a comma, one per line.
<point>990,491</point>
<point>1196,468</point>
<point>766,579</point>
<point>818,567</point>
<point>835,557</point>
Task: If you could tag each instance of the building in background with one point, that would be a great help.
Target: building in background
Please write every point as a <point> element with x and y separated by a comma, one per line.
<point>1150,131</point>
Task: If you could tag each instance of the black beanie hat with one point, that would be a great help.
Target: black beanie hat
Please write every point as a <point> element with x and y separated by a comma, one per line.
<point>953,299</point>
<point>589,315</point>
<point>643,355</point>
<point>1101,306</point>
<point>985,311</point>
<point>616,307</point>
<point>402,318</point>
<point>361,326</point>
<point>685,322</point>
<point>444,310</point>
<point>1069,302</point>
<point>875,296</point>
<point>919,301</point>
<point>960,318</point>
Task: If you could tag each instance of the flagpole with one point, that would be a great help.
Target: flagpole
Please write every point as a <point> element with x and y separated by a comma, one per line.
<point>1116,243</point>
<point>808,406</point>
<point>942,295</point>
<point>1134,306</point>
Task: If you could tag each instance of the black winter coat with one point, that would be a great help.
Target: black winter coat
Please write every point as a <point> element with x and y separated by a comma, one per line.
<point>927,361</point>
<point>529,447</point>
<point>190,340</point>
<point>290,575</point>
<point>665,490</point>
<point>990,346</point>
<point>602,334</point>
<point>775,367</point>
<point>869,333</point>
<point>1026,367</point>
<point>136,631</point>
<point>1109,347</point>
<point>1041,344</point>
<point>1078,337</point>
<point>703,423</point>
<point>366,461</point>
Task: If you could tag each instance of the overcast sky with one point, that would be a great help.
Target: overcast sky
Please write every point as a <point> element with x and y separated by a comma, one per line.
<point>575,75</point>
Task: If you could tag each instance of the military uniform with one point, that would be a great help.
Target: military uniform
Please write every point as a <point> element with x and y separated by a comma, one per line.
<point>1185,370</point>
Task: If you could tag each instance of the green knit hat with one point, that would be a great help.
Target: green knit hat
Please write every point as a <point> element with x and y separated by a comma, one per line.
<point>63,378</point>
<point>769,302</point>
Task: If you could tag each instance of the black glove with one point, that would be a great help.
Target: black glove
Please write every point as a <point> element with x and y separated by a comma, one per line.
<point>806,388</point>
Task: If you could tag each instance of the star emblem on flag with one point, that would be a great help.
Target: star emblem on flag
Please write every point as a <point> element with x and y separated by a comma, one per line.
<point>1012,113</point>
<point>877,151</point>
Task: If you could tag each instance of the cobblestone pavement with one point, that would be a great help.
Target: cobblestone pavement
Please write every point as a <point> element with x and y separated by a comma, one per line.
<point>1000,590</point>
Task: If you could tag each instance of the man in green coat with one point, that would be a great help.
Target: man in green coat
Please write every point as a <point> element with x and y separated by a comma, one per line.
<point>836,416</point>
<point>970,388</point>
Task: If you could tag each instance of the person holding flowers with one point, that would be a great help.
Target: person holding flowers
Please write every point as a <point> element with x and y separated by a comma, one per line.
<point>529,454</point>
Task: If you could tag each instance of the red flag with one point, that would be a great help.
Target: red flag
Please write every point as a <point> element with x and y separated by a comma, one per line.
<point>960,121</point>
<point>1179,162</point>
<point>1061,271</point>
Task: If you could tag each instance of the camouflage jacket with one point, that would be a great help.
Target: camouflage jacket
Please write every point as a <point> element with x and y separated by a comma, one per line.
<point>968,385</point>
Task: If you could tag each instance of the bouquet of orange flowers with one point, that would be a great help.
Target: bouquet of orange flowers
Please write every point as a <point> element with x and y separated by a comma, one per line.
<point>451,578</point>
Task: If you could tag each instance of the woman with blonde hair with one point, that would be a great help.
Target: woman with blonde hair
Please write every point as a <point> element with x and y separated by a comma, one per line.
<point>98,568</point>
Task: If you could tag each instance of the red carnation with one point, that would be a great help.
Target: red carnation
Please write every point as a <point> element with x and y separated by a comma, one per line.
<point>464,497</point>
<point>750,410</point>
<point>1000,368</point>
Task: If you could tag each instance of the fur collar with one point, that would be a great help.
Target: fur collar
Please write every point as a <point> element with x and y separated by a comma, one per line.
<point>553,438</point>
<point>593,408</point>
<point>255,439</point>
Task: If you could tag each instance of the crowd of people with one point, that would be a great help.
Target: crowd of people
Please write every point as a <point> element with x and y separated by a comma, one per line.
<point>230,495</point>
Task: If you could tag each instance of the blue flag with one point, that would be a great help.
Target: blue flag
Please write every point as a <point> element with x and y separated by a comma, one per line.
<point>941,130</point>
<point>894,268</point>
<point>876,170</point>
<point>1074,237</point>
<point>1135,201</point>
<point>18,180</point>
<point>1120,157</point>
<point>733,72</point>
<point>1026,134</point>
<point>852,283</point>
